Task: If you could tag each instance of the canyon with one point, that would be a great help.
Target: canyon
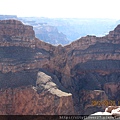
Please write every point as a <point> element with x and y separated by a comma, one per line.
<point>65,30</point>
<point>46,32</point>
<point>42,79</point>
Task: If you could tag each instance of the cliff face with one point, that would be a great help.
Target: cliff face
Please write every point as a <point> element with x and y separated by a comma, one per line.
<point>21,57</point>
<point>88,64</point>
<point>19,47</point>
<point>88,68</point>
<point>44,98</point>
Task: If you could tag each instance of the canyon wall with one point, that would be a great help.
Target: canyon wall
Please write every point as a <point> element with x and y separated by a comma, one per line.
<point>21,57</point>
<point>84,75</point>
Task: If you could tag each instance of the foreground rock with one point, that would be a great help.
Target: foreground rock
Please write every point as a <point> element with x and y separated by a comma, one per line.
<point>44,99</point>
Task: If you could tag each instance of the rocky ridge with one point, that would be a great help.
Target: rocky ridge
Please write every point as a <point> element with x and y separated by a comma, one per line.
<point>87,68</point>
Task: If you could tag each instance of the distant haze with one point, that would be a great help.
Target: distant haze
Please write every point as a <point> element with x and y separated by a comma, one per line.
<point>61,8</point>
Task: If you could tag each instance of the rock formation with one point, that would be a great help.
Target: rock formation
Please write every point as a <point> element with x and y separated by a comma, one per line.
<point>45,99</point>
<point>83,76</point>
<point>110,113</point>
<point>21,57</point>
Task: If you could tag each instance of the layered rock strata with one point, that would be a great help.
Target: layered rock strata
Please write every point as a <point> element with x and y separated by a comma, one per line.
<point>43,99</point>
<point>21,57</point>
<point>88,68</point>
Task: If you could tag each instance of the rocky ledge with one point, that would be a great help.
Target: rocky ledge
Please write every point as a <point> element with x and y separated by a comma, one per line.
<point>43,99</point>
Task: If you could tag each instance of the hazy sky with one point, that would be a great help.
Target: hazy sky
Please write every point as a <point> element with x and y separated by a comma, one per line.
<point>62,8</point>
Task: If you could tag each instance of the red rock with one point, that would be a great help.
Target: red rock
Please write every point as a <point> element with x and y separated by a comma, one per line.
<point>35,101</point>
<point>88,64</point>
